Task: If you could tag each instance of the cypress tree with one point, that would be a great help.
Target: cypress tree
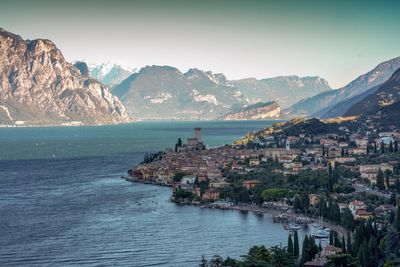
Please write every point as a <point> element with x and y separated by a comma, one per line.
<point>306,251</point>
<point>343,244</point>
<point>296,244</point>
<point>396,146</point>
<point>331,238</point>
<point>382,148</point>
<point>290,248</point>
<point>314,247</point>
<point>372,251</point>
<point>391,147</point>
<point>387,181</point>
<point>380,181</point>
<point>349,246</point>
<point>375,148</point>
<point>398,218</point>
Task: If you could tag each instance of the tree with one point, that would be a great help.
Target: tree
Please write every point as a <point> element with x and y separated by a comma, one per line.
<point>398,218</point>
<point>372,251</point>
<point>363,254</point>
<point>391,147</point>
<point>343,244</point>
<point>375,148</point>
<point>297,203</point>
<point>392,199</point>
<point>390,246</point>
<point>349,246</point>
<point>382,148</point>
<point>396,146</point>
<point>216,261</point>
<point>348,219</point>
<point>280,257</point>
<point>342,260</point>
<point>178,144</point>
<point>306,252</point>
<point>203,262</point>
<point>296,244</point>
<point>178,177</point>
<point>331,238</point>
<point>387,181</point>
<point>290,248</point>
<point>379,180</point>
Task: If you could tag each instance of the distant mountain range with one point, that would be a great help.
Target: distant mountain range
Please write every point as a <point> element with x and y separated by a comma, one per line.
<point>323,104</point>
<point>286,90</point>
<point>163,92</point>
<point>258,111</point>
<point>109,73</point>
<point>38,86</point>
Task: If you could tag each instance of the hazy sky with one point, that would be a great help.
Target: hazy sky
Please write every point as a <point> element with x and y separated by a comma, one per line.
<point>337,40</point>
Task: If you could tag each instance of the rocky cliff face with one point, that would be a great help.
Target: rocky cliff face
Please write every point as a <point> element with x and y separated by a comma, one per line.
<point>38,86</point>
<point>257,111</point>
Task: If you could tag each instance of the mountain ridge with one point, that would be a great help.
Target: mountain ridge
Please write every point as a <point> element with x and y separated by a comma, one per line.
<point>38,86</point>
<point>319,104</point>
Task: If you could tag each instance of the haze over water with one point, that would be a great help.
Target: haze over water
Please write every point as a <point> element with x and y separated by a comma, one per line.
<point>62,202</point>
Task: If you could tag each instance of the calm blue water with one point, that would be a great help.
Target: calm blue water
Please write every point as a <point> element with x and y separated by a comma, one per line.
<point>62,202</point>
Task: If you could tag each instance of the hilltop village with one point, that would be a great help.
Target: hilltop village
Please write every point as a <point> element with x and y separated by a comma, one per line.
<point>343,174</point>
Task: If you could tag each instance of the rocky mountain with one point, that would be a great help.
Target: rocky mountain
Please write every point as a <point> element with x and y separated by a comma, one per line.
<point>256,111</point>
<point>320,104</point>
<point>386,96</point>
<point>38,86</point>
<point>340,108</point>
<point>163,92</point>
<point>286,90</point>
<point>109,73</point>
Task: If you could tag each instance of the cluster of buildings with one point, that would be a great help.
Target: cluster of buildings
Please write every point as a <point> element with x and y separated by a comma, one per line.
<point>316,152</point>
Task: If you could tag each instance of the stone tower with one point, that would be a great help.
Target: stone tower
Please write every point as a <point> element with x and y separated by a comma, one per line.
<point>197,133</point>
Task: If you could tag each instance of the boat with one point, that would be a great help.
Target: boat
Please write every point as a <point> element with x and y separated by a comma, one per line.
<point>294,226</point>
<point>316,225</point>
<point>321,234</point>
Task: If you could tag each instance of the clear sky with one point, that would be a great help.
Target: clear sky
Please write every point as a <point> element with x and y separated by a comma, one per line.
<point>337,40</point>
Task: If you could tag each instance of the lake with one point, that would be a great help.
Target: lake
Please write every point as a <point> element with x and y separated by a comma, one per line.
<point>63,203</point>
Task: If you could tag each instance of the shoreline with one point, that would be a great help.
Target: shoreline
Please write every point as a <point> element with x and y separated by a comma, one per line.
<point>304,218</point>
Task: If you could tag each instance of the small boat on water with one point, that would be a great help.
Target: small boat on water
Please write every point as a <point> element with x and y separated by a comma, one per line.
<point>294,226</point>
<point>316,225</point>
<point>321,234</point>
